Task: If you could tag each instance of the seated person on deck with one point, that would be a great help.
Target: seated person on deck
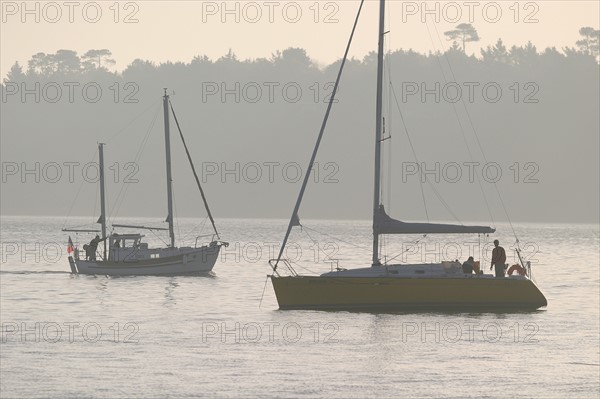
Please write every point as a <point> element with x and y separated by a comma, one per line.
<point>468,265</point>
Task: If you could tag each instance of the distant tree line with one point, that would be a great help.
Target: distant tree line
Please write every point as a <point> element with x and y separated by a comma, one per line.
<point>69,63</point>
<point>237,112</point>
<point>464,33</point>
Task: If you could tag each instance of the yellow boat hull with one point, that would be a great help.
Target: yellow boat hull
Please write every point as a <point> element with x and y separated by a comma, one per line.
<point>365,293</point>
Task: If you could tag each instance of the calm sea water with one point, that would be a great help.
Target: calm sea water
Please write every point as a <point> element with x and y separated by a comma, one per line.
<point>70,336</point>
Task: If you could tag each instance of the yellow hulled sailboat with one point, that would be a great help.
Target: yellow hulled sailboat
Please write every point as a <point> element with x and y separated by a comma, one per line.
<point>429,286</point>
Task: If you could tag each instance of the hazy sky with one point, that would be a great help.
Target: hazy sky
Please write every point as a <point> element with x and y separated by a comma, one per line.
<point>179,30</point>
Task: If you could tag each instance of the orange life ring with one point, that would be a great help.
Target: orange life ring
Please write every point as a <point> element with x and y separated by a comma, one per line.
<point>517,268</point>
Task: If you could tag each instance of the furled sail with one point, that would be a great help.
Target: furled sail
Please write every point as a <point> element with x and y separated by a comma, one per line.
<point>384,224</point>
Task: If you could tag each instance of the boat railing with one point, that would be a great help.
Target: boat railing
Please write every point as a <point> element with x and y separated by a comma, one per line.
<point>212,238</point>
<point>336,262</point>
<point>525,265</point>
<point>528,268</point>
<point>77,254</point>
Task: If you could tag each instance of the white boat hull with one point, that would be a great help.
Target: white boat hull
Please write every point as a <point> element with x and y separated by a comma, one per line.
<point>196,260</point>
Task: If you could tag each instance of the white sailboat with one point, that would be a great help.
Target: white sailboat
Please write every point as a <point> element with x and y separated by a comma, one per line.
<point>127,254</point>
<point>430,286</point>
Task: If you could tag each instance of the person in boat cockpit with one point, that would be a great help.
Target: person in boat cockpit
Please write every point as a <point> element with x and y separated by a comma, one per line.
<point>468,265</point>
<point>117,243</point>
<point>498,259</point>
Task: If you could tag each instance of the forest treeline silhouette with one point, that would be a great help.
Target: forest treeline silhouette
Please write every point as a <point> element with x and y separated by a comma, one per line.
<point>69,63</point>
<point>542,128</point>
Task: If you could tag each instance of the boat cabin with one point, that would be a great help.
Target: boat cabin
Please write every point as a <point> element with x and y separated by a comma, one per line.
<point>123,247</point>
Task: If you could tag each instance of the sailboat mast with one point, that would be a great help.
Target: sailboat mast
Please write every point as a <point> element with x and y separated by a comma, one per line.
<point>102,220</point>
<point>378,129</point>
<point>168,161</point>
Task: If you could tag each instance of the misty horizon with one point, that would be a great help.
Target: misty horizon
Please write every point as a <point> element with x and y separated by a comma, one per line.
<point>251,120</point>
<point>208,93</point>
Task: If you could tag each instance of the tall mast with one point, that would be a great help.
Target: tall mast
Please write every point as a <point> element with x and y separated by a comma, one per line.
<point>102,219</point>
<point>168,159</point>
<point>378,129</point>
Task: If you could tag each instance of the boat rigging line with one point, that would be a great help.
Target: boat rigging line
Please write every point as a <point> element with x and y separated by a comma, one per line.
<point>294,217</point>
<point>124,186</point>
<point>472,125</point>
<point>319,249</point>
<point>462,130</point>
<point>263,292</point>
<point>414,153</point>
<point>212,221</point>
<point>406,250</point>
<point>337,238</point>
<point>199,226</point>
<point>131,121</point>
<point>77,194</point>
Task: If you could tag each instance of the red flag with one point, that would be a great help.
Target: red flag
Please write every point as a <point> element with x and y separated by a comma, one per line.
<point>70,247</point>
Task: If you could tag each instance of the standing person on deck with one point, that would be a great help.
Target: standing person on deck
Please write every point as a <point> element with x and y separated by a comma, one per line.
<point>498,259</point>
<point>93,246</point>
